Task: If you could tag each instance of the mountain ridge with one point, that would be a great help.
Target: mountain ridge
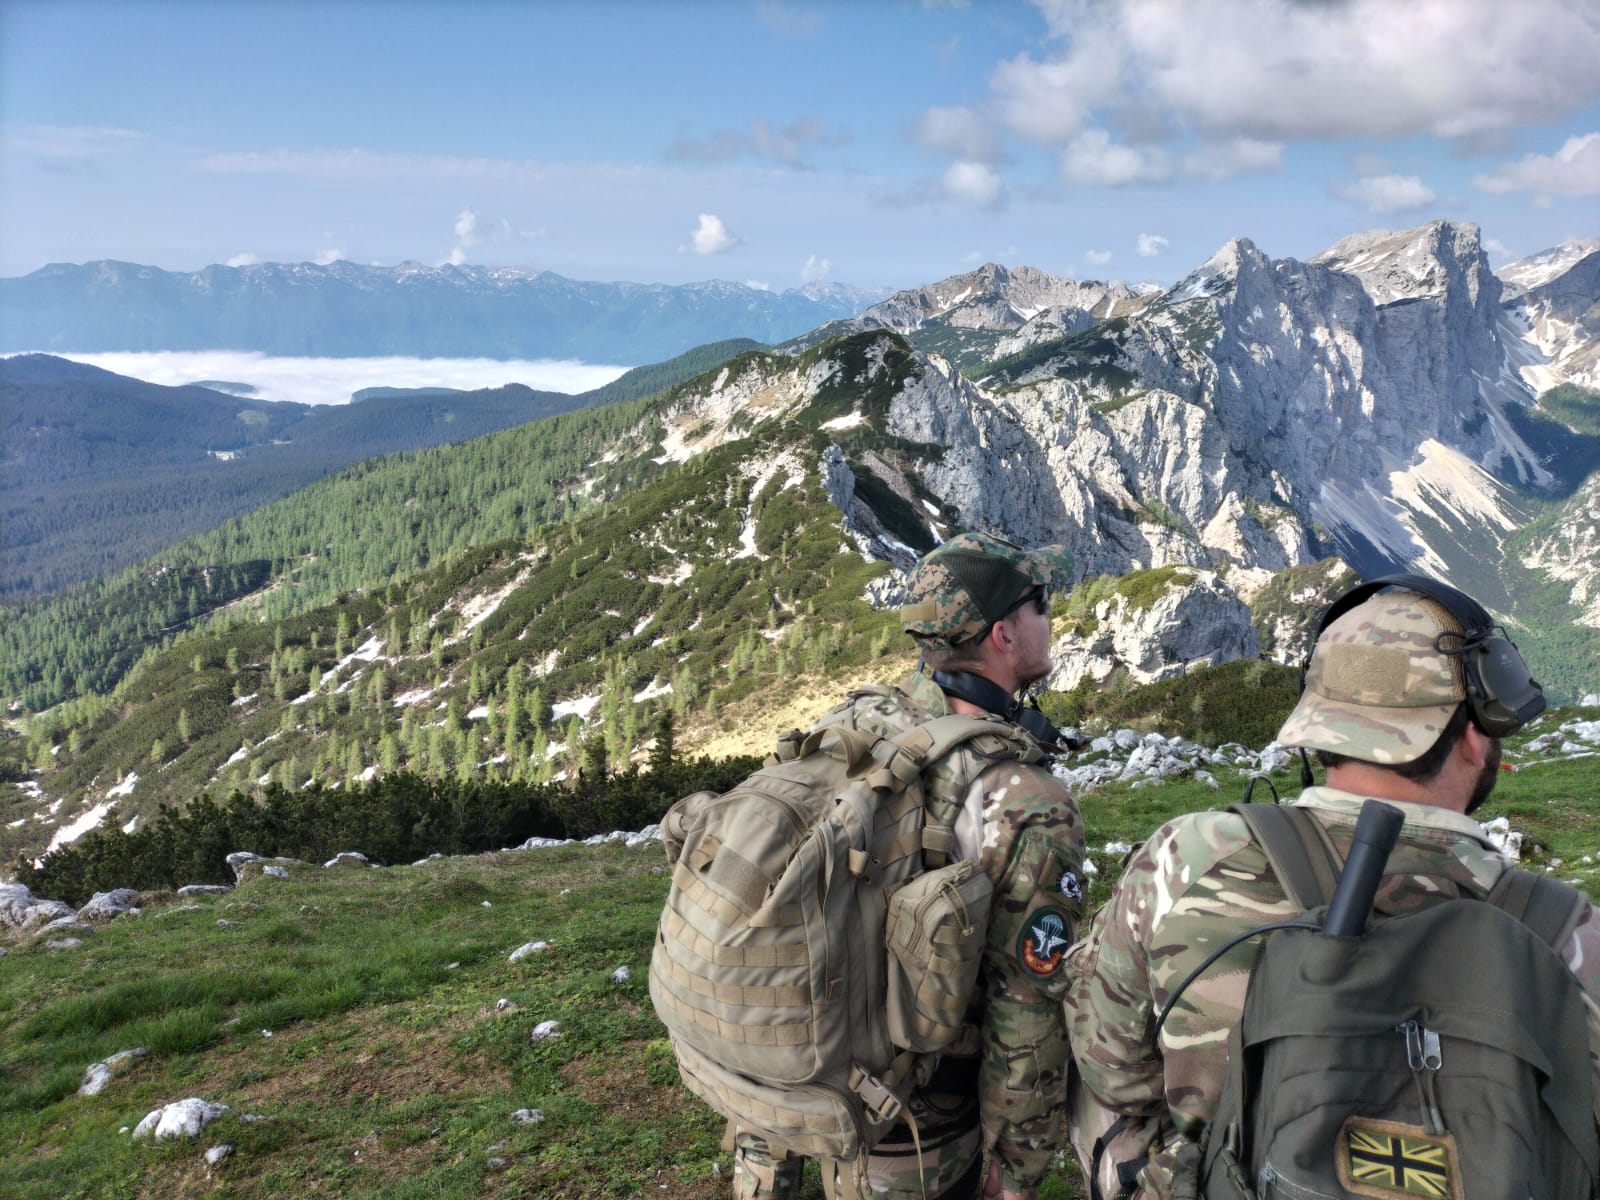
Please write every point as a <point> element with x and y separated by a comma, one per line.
<point>344,309</point>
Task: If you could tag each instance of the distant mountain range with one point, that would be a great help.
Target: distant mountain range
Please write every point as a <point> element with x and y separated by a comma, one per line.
<point>98,470</point>
<point>347,310</point>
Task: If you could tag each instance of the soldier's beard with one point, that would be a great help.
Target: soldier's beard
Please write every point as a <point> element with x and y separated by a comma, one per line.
<point>1488,776</point>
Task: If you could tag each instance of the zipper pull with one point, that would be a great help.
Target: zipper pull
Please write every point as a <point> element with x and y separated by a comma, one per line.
<point>1413,1036</point>
<point>1432,1060</point>
<point>1417,1058</point>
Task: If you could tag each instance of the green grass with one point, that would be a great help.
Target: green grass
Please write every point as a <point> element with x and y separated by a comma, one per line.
<point>390,1072</point>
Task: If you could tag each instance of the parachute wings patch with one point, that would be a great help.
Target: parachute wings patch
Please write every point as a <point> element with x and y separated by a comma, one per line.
<point>1043,942</point>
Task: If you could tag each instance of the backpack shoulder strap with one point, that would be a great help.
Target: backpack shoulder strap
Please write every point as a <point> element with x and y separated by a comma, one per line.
<point>933,741</point>
<point>1297,847</point>
<point>1550,908</point>
<point>943,734</point>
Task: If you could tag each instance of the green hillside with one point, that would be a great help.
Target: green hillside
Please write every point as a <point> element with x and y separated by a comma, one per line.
<point>384,518</point>
<point>692,594</point>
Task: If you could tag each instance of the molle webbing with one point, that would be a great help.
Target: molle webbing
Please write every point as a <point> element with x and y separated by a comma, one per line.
<point>773,968</point>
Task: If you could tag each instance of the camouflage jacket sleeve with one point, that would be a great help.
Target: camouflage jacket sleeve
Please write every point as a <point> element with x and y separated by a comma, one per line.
<point>1171,907</point>
<point>1033,851</point>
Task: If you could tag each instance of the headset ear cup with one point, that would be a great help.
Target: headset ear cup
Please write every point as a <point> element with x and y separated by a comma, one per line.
<point>1502,694</point>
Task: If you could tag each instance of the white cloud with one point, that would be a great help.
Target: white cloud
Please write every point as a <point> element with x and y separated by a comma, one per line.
<point>815,269</point>
<point>328,257</point>
<point>1388,193</point>
<point>1232,158</point>
<point>711,236</point>
<point>243,260</point>
<point>466,231</point>
<point>333,380</point>
<point>1278,70</point>
<point>1152,244</point>
<point>788,145</point>
<point>1097,258</point>
<point>1092,159</point>
<point>960,133</point>
<point>760,285</point>
<point>1573,170</point>
<point>73,141</point>
<point>1051,101</point>
<point>974,183</point>
<point>1495,248</point>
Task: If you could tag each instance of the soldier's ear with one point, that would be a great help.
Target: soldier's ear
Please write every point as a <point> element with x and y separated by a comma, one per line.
<point>1476,745</point>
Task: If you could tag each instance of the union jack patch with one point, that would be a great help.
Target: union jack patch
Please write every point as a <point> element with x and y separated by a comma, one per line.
<point>1391,1161</point>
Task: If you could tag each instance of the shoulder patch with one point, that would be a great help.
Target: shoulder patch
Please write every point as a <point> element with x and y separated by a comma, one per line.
<point>1042,944</point>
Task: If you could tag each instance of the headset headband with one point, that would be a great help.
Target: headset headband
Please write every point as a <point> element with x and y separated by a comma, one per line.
<point>1502,695</point>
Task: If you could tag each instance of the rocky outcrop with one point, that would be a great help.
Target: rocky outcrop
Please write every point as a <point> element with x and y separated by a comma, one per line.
<point>21,909</point>
<point>1158,626</point>
<point>181,1118</point>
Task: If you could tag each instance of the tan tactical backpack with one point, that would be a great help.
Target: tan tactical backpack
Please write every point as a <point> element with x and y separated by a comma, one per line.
<point>818,947</point>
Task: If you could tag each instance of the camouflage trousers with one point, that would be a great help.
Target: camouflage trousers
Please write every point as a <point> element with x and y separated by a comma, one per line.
<point>942,1160</point>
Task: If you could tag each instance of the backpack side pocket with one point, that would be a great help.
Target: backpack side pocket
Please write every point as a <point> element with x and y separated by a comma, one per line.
<point>936,929</point>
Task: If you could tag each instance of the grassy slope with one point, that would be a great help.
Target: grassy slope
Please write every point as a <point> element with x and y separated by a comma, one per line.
<point>389,1072</point>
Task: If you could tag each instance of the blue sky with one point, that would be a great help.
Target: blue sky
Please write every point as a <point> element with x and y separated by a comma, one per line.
<point>875,142</point>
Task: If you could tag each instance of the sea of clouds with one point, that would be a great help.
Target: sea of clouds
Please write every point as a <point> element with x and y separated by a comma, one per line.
<point>333,380</point>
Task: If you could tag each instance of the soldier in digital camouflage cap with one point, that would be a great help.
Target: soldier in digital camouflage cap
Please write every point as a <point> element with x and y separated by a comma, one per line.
<point>1383,707</point>
<point>961,589</point>
<point>979,611</point>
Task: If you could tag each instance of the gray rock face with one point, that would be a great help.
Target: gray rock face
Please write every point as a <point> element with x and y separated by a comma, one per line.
<point>21,909</point>
<point>1197,620</point>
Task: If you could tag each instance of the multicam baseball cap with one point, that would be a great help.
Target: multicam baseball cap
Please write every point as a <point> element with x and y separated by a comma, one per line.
<point>1378,689</point>
<point>972,581</point>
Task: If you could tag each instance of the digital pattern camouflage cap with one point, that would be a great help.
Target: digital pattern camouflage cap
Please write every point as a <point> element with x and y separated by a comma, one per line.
<point>1378,688</point>
<point>973,580</point>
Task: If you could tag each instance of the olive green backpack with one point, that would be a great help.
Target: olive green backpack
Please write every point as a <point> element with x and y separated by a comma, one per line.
<point>1443,1053</point>
<point>818,947</point>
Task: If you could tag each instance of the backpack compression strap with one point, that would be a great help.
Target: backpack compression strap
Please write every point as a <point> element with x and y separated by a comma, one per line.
<point>1298,849</point>
<point>1550,908</point>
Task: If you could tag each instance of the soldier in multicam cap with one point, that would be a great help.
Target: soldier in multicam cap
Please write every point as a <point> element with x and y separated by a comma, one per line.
<point>979,612</point>
<point>1385,708</point>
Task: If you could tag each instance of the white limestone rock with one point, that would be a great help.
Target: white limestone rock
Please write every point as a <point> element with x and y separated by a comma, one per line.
<point>181,1118</point>
<point>99,1074</point>
<point>526,949</point>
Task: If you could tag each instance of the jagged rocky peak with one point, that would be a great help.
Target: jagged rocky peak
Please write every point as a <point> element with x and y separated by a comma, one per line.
<point>997,297</point>
<point>1218,274</point>
<point>1410,263</point>
<point>1525,274</point>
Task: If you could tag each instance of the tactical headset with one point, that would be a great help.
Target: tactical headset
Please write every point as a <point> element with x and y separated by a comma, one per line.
<point>1502,695</point>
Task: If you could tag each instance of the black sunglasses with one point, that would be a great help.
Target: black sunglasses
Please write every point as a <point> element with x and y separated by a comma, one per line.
<point>1038,597</point>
